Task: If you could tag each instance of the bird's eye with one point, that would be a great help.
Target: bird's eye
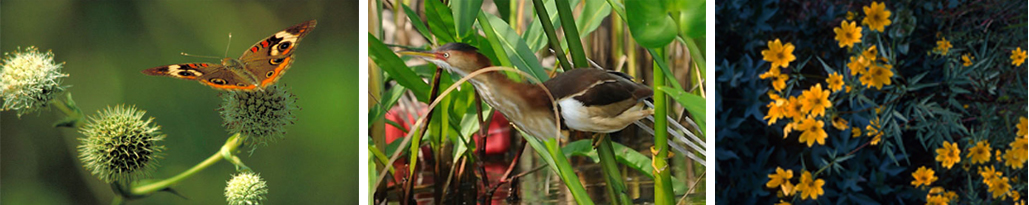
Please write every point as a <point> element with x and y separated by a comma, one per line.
<point>446,55</point>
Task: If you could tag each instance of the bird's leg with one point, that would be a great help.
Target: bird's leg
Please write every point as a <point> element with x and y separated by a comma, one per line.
<point>597,138</point>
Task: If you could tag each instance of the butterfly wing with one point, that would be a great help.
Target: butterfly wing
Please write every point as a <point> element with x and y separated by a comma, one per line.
<point>210,74</point>
<point>268,59</point>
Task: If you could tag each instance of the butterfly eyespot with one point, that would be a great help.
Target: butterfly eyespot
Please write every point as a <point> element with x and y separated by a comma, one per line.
<point>270,73</point>
<point>277,61</point>
<point>284,45</point>
<point>185,73</point>
<point>218,81</point>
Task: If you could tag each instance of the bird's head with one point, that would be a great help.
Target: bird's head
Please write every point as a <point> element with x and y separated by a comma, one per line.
<point>456,57</point>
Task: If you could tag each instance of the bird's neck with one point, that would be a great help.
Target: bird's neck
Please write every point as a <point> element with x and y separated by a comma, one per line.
<point>526,105</point>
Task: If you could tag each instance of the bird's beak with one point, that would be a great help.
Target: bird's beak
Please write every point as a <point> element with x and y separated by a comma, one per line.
<point>426,54</point>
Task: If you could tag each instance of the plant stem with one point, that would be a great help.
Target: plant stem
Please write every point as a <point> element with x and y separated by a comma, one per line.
<point>566,172</point>
<point>548,27</point>
<point>231,145</point>
<point>663,194</point>
<point>612,177</point>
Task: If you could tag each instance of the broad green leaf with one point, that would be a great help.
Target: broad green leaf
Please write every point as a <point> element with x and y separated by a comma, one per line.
<point>593,14</point>
<point>389,99</point>
<point>690,16</point>
<point>693,103</point>
<point>517,51</point>
<point>441,21</point>
<point>392,65</point>
<point>649,23</point>
<point>465,12</point>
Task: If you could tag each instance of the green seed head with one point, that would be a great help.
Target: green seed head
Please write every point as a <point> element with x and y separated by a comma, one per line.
<point>29,80</point>
<point>119,145</point>
<point>246,188</point>
<point>261,115</point>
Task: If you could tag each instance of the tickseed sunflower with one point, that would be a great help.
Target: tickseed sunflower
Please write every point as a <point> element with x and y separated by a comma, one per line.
<point>793,108</point>
<point>780,82</point>
<point>923,177</point>
<point>949,154</point>
<point>966,60</point>
<point>858,65</point>
<point>839,123</point>
<point>1023,126</point>
<point>847,34</point>
<point>943,46</point>
<point>810,188</point>
<point>988,173</point>
<point>835,82</point>
<point>877,76</point>
<point>778,54</point>
<point>1015,158</point>
<point>855,132</point>
<point>815,101</point>
<point>871,54</point>
<point>999,187</point>
<point>771,73</point>
<point>874,130</point>
<point>779,178</point>
<point>980,153</point>
<point>776,108</point>
<point>876,17</point>
<point>782,203</point>
<point>813,131</point>
<point>1018,56</point>
<point>850,15</point>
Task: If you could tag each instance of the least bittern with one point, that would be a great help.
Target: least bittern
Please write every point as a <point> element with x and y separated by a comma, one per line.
<point>591,100</point>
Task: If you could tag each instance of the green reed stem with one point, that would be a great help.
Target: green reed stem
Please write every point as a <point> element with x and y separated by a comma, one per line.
<point>548,28</point>
<point>663,193</point>
<point>226,152</point>
<point>612,177</point>
<point>567,174</point>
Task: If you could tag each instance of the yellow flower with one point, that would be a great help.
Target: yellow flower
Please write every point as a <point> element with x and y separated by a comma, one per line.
<point>778,54</point>
<point>780,177</point>
<point>812,131</point>
<point>776,108</point>
<point>1015,158</point>
<point>943,46</point>
<point>782,203</point>
<point>988,173</point>
<point>948,154</point>
<point>771,73</point>
<point>999,186</point>
<point>835,82</point>
<point>1018,57</point>
<point>848,88</point>
<point>980,153</point>
<point>967,60</point>
<point>847,34</point>
<point>936,200</point>
<point>935,189</point>
<point>877,76</point>
<point>874,130</point>
<point>1023,126</point>
<point>857,65</point>
<point>839,123</point>
<point>815,101</point>
<point>780,82</point>
<point>877,17</point>
<point>855,132</point>
<point>871,54</point>
<point>1015,196</point>
<point>793,108</point>
<point>810,188</point>
<point>923,176</point>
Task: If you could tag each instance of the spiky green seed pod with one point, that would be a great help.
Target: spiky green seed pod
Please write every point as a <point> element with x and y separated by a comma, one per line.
<point>119,145</point>
<point>261,115</point>
<point>246,188</point>
<point>29,80</point>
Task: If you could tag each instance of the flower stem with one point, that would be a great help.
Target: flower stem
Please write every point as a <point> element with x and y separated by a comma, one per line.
<point>231,145</point>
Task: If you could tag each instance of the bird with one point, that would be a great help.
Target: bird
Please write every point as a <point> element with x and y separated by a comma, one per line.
<point>591,100</point>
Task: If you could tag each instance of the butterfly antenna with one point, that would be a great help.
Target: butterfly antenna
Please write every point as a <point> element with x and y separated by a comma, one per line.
<point>191,55</point>
<point>227,46</point>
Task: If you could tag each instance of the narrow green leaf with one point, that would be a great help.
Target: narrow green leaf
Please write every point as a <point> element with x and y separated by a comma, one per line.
<point>517,51</point>
<point>389,62</point>
<point>564,12</point>
<point>465,12</point>
<point>441,21</point>
<point>693,103</point>
<point>418,24</point>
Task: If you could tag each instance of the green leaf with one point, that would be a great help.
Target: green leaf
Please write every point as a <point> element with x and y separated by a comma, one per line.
<point>392,65</point>
<point>516,50</point>
<point>649,24</point>
<point>693,103</point>
<point>690,18</point>
<point>572,36</point>
<point>582,148</point>
<point>465,12</point>
<point>418,24</point>
<point>441,21</point>
<point>593,14</point>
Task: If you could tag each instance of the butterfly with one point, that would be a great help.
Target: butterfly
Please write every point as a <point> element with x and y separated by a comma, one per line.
<point>261,65</point>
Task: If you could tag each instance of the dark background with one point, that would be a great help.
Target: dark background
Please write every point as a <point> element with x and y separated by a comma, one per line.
<point>106,44</point>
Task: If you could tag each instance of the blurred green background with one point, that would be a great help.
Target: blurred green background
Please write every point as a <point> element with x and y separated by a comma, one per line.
<point>106,44</point>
